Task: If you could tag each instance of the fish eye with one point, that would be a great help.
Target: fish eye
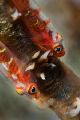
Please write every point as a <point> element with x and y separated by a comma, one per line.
<point>32,89</point>
<point>58,49</point>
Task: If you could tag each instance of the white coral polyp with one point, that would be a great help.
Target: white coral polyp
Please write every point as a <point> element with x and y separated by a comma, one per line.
<point>74,112</point>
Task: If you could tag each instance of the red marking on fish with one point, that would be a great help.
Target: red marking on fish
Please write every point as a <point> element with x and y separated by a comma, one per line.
<point>38,27</point>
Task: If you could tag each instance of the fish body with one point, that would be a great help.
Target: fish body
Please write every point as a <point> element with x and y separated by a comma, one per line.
<point>38,27</point>
<point>18,54</point>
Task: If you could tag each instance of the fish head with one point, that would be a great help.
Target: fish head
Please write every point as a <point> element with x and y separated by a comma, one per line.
<point>27,85</point>
<point>59,50</point>
<point>32,90</point>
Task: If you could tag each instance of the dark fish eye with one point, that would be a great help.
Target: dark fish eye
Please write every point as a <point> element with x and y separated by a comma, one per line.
<point>32,90</point>
<point>58,49</point>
